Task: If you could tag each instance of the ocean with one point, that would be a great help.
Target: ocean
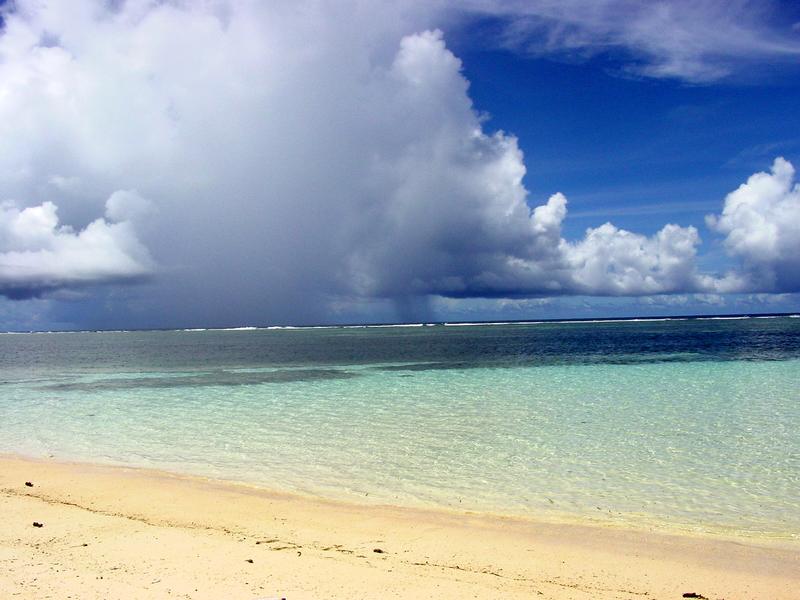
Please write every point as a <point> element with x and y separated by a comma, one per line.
<point>678,424</point>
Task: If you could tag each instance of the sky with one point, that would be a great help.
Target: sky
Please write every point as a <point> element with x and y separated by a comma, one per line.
<point>233,162</point>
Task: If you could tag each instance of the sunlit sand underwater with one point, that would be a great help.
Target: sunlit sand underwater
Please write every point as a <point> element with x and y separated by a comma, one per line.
<point>679,424</point>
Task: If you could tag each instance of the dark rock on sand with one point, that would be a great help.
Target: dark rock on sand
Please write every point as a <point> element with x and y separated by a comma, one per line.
<point>29,484</point>
<point>37,524</point>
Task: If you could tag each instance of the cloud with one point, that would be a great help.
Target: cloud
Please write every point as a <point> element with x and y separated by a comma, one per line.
<point>455,222</point>
<point>292,154</point>
<point>128,205</point>
<point>698,42</point>
<point>678,300</point>
<point>38,255</point>
<point>761,222</point>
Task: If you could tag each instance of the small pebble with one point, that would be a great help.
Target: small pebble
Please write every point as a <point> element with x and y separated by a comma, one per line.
<point>29,484</point>
<point>377,550</point>
<point>37,524</point>
<point>250,560</point>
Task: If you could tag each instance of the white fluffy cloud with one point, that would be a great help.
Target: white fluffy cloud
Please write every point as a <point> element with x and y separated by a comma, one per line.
<point>455,221</point>
<point>761,224</point>
<point>293,153</point>
<point>38,255</point>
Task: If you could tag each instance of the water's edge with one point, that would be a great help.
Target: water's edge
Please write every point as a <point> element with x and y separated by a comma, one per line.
<point>326,502</point>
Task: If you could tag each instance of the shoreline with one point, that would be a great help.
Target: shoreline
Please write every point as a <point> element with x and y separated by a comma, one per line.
<point>150,532</point>
<point>644,524</point>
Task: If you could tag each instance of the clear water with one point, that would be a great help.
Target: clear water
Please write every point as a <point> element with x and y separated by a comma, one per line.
<point>687,424</point>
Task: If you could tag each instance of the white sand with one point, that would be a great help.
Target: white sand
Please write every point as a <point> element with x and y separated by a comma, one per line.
<point>126,533</point>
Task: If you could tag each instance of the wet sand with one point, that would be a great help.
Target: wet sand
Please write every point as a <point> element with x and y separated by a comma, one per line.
<point>112,532</point>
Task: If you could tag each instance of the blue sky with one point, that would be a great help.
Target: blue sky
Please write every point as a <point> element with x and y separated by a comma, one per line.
<point>174,165</point>
<point>631,148</point>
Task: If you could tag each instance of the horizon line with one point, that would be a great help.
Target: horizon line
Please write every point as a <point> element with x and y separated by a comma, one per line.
<point>389,324</point>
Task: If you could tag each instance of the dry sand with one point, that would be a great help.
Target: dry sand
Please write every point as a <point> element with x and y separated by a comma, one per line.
<point>112,532</point>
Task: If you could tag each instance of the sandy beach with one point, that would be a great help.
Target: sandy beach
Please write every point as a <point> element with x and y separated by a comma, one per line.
<point>110,532</point>
<point>362,300</point>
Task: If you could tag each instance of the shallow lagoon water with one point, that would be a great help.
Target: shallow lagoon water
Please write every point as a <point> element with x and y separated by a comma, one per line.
<point>682,424</point>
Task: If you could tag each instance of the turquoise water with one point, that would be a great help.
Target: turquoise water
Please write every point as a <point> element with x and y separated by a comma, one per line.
<point>646,430</point>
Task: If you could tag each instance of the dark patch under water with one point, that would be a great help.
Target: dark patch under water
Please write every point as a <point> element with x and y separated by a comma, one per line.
<point>223,378</point>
